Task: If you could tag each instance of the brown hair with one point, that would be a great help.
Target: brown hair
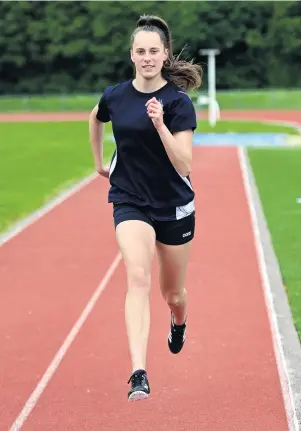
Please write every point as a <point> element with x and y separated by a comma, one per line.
<point>183,73</point>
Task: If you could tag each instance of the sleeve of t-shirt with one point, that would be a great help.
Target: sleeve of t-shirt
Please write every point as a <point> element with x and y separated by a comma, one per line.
<point>183,116</point>
<point>103,113</point>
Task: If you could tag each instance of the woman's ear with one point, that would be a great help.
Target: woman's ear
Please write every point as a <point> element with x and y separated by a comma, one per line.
<point>166,54</point>
<point>131,54</point>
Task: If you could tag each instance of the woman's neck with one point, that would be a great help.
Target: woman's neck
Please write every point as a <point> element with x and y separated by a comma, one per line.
<point>148,85</point>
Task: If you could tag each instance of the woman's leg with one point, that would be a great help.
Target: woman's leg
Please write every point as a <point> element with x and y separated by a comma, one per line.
<point>173,249</point>
<point>136,240</point>
<point>173,261</point>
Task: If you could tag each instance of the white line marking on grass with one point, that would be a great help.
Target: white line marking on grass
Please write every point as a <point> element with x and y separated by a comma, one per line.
<point>276,336</point>
<point>26,222</point>
<point>34,397</point>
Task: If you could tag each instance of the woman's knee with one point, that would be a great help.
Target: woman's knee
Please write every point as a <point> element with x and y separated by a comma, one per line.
<point>176,299</point>
<point>139,278</point>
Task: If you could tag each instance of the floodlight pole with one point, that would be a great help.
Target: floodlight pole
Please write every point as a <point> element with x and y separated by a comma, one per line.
<point>211,53</point>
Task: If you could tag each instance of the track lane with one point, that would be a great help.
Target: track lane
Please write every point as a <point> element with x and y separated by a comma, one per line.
<point>47,274</point>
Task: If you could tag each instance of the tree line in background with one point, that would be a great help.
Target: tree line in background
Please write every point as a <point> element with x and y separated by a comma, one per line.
<point>64,47</point>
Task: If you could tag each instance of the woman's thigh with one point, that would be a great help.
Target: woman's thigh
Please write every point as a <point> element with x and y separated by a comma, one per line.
<point>174,252</point>
<point>136,239</point>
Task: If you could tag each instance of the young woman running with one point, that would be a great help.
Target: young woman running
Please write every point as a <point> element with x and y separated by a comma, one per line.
<point>153,121</point>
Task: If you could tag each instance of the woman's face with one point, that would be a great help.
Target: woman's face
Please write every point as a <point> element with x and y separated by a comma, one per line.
<point>148,54</point>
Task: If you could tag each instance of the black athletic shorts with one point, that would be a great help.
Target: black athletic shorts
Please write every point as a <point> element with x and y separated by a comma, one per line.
<point>174,232</point>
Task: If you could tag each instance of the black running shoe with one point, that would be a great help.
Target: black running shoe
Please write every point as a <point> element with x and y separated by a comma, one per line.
<point>177,336</point>
<point>139,386</point>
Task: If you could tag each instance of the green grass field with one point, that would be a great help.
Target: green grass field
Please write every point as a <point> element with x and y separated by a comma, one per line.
<point>262,99</point>
<point>229,126</point>
<point>285,99</point>
<point>38,160</point>
<point>278,177</point>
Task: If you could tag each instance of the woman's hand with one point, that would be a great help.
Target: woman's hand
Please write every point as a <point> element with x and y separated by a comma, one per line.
<point>103,170</point>
<point>155,112</point>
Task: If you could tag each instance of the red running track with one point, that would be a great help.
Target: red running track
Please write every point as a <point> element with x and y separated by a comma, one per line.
<point>225,379</point>
<point>262,115</point>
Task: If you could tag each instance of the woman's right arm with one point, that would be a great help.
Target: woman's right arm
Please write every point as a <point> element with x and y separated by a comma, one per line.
<point>96,133</point>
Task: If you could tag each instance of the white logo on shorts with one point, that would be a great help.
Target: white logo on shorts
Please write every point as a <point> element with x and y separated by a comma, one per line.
<point>186,234</point>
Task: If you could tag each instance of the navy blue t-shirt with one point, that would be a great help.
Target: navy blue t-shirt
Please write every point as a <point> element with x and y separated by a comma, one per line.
<point>140,170</point>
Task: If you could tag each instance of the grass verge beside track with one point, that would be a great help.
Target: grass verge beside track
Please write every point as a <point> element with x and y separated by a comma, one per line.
<point>278,177</point>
